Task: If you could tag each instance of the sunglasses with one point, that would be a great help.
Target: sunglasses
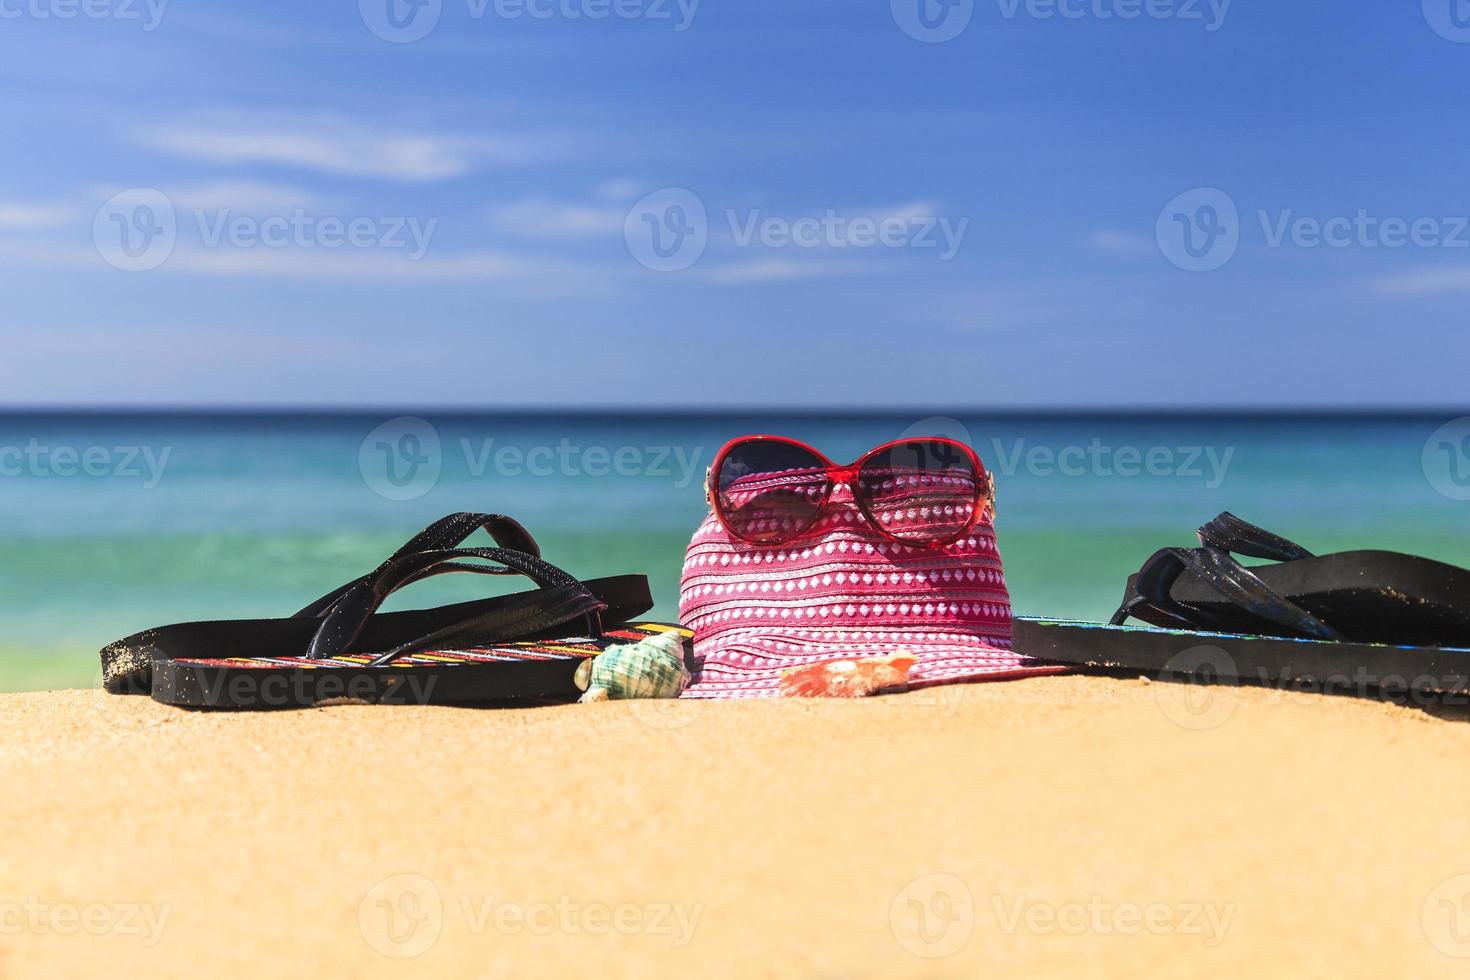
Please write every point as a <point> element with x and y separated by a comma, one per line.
<point>926,492</point>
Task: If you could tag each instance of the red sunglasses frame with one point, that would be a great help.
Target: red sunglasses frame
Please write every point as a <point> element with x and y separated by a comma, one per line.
<point>838,475</point>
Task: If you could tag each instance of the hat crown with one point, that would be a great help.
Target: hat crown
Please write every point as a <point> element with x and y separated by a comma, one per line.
<point>844,573</point>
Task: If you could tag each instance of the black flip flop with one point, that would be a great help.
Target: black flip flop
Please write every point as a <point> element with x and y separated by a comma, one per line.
<point>1365,613</point>
<point>1207,657</point>
<point>522,646</point>
<point>518,674</point>
<point>1364,596</point>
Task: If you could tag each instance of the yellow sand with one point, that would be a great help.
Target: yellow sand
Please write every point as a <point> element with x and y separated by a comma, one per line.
<point>1054,827</point>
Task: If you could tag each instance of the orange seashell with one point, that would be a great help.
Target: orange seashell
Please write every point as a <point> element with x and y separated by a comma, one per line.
<point>848,678</point>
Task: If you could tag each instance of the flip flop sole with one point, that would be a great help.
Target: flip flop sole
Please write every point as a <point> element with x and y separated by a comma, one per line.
<point>128,664</point>
<point>1232,657</point>
<point>1375,596</point>
<point>523,673</point>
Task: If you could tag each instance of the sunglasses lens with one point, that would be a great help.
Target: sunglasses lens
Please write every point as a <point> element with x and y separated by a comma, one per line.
<point>920,491</point>
<point>770,491</point>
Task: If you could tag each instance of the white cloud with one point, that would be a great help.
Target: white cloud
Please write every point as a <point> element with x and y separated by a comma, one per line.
<point>1427,282</point>
<point>241,195</point>
<point>324,265</point>
<point>347,265</point>
<point>783,270</point>
<point>541,218</point>
<point>60,344</point>
<point>33,217</point>
<point>618,189</point>
<point>337,146</point>
<point>1121,243</point>
<point>905,212</point>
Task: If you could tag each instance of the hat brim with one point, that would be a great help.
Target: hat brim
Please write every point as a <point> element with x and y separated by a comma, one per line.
<point>749,663</point>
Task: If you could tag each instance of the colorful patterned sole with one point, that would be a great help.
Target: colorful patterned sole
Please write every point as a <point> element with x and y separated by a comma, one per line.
<point>535,672</point>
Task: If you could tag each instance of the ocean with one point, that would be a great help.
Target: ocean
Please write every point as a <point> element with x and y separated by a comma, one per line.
<point>111,523</point>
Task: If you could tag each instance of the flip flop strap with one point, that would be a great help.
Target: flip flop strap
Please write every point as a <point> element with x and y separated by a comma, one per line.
<point>1229,533</point>
<point>1214,565</point>
<point>449,531</point>
<point>560,598</point>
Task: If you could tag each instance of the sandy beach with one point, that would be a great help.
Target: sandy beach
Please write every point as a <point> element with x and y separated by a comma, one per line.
<point>1064,826</point>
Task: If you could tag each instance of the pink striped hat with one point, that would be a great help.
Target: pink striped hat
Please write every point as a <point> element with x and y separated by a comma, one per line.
<point>844,592</point>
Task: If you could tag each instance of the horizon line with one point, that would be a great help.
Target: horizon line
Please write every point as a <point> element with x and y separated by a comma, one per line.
<point>1054,411</point>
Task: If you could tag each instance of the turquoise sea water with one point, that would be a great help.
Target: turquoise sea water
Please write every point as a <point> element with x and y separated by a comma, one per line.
<point>113,523</point>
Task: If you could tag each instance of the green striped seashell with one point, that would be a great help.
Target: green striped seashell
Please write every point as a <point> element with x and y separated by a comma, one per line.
<point>651,668</point>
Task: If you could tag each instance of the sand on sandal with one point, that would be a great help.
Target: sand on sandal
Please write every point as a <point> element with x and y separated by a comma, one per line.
<point>1066,826</point>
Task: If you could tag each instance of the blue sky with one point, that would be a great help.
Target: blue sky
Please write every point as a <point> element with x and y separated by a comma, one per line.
<point>854,209</point>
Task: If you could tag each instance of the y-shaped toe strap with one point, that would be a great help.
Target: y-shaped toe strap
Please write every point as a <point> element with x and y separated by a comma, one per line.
<point>560,599</point>
<point>1229,533</point>
<point>1213,564</point>
<point>447,532</point>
